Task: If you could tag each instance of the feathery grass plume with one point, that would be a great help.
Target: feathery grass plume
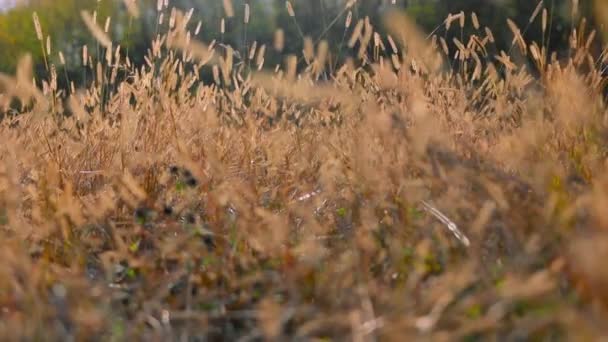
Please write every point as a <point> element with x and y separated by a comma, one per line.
<point>490,35</point>
<point>216,74</point>
<point>85,55</point>
<point>309,50</point>
<point>291,62</point>
<point>228,8</point>
<point>53,80</point>
<point>279,40</point>
<point>48,45</point>
<point>365,38</point>
<point>77,108</point>
<point>378,44</point>
<point>37,26</point>
<point>356,35</point>
<point>537,10</point>
<point>453,17</point>
<point>97,32</point>
<point>349,19</point>
<point>462,19</point>
<point>574,10</point>
<point>172,17</point>
<point>252,50</point>
<point>132,8</point>
<point>186,19</point>
<point>40,37</point>
<point>444,46</point>
<point>290,10</point>
<point>321,58</point>
<point>117,54</point>
<point>601,11</point>
<point>418,50</point>
<point>396,62</point>
<point>180,39</point>
<point>475,20</point>
<point>392,43</point>
<point>517,36</point>
<point>226,65</point>
<point>535,52</point>
<point>259,60</point>
<point>246,14</point>
<point>106,26</point>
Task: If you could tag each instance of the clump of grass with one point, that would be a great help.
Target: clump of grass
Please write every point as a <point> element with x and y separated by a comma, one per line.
<point>286,205</point>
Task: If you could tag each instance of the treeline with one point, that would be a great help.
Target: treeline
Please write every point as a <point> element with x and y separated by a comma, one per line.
<point>62,25</point>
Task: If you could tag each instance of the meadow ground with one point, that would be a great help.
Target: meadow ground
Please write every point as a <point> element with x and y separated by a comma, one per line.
<point>414,192</point>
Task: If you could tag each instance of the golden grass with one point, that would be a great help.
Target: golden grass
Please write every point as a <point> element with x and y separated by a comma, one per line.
<point>399,196</point>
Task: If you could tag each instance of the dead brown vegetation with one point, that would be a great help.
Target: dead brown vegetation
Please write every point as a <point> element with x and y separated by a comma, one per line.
<point>418,192</point>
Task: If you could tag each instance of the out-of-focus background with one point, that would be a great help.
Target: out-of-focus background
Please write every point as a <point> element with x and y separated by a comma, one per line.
<point>319,19</point>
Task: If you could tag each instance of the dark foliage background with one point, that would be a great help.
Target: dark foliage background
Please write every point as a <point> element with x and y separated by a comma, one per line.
<point>317,19</point>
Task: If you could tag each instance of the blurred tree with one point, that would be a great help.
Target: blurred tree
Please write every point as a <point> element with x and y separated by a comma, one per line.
<point>317,19</point>
<point>59,19</point>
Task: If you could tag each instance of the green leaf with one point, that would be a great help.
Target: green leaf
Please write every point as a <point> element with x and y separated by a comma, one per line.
<point>134,247</point>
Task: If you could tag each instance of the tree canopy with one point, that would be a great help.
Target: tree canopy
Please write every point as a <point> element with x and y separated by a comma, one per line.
<point>318,19</point>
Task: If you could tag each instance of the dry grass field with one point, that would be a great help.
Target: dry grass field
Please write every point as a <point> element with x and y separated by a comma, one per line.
<point>419,190</point>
